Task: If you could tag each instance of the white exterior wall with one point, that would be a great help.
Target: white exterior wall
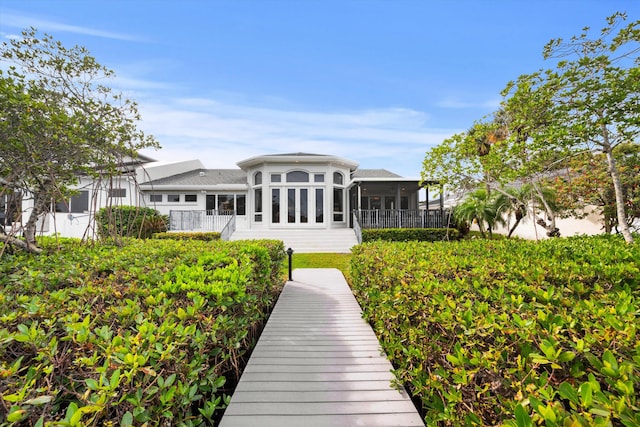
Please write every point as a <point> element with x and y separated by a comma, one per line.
<point>81,224</point>
<point>528,229</point>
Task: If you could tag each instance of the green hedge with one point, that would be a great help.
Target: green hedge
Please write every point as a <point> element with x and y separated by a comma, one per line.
<point>144,334</point>
<point>409,234</point>
<point>130,221</point>
<point>206,236</point>
<point>509,332</point>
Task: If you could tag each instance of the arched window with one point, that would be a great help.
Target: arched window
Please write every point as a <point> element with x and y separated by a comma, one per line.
<point>338,178</point>
<point>297,176</point>
<point>257,178</point>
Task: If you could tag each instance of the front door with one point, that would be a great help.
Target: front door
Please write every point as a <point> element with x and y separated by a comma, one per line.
<point>297,205</point>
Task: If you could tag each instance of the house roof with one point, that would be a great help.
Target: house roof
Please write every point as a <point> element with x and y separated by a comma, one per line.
<point>297,158</point>
<point>202,177</point>
<point>237,178</point>
<point>374,173</point>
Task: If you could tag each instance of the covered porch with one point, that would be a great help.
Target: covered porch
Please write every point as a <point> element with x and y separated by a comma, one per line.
<point>379,201</point>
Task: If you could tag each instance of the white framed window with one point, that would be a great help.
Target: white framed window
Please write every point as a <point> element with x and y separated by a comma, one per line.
<point>338,178</point>
<point>338,197</point>
<point>117,192</point>
<point>78,203</point>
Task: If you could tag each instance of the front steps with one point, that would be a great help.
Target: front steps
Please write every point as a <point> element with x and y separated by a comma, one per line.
<point>305,240</point>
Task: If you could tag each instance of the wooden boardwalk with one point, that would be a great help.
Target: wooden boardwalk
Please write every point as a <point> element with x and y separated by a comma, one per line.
<point>318,363</point>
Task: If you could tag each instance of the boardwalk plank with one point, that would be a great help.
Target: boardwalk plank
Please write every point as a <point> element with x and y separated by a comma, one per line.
<point>320,408</point>
<point>266,386</point>
<point>320,368</point>
<point>322,396</point>
<point>344,420</point>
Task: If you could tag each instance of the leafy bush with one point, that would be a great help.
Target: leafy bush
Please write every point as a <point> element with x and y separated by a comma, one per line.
<point>508,332</point>
<point>409,234</point>
<point>130,221</point>
<point>206,236</point>
<point>106,335</point>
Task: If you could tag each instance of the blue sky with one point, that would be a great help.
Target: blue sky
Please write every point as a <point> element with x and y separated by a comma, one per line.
<point>377,82</point>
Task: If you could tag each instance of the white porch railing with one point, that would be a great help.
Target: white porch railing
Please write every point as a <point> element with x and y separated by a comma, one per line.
<point>210,220</point>
<point>400,218</point>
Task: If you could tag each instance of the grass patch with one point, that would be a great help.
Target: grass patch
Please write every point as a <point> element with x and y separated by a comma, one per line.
<point>321,260</point>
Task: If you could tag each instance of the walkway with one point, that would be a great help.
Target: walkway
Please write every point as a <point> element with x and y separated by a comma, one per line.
<point>318,363</point>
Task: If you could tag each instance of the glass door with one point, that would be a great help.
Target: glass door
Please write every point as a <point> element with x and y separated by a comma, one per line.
<point>297,205</point>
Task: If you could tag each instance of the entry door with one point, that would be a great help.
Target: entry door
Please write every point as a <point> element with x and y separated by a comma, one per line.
<point>297,206</point>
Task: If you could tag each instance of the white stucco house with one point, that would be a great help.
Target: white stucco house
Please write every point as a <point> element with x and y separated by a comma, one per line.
<point>297,190</point>
<point>260,197</point>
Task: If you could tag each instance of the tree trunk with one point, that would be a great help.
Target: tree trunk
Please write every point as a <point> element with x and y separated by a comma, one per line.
<point>617,186</point>
<point>10,240</point>
<point>515,225</point>
<point>552,230</point>
<point>40,206</point>
<point>481,228</point>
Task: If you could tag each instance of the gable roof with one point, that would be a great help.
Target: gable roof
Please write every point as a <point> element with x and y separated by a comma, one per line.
<point>200,178</point>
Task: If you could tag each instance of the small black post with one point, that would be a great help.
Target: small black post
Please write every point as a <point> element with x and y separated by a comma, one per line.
<point>290,253</point>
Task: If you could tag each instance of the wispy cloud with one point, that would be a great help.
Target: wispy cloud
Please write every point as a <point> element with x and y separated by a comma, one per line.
<point>22,21</point>
<point>221,134</point>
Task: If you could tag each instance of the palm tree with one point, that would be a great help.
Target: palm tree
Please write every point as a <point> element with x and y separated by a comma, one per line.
<point>486,209</point>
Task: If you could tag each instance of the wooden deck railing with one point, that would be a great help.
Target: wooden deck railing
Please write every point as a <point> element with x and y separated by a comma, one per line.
<point>400,218</point>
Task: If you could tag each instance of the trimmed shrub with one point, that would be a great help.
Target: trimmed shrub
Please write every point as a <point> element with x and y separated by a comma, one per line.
<point>150,333</point>
<point>130,221</point>
<point>205,236</point>
<point>504,332</point>
<point>409,234</point>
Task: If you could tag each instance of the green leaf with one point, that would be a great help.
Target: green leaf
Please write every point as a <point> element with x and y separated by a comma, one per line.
<point>170,380</point>
<point>567,391</point>
<point>115,379</point>
<point>16,415</point>
<point>548,413</point>
<point>566,356</point>
<point>600,411</point>
<point>76,417</point>
<point>523,419</point>
<point>127,419</point>
<point>92,384</point>
<point>39,400</point>
<point>586,395</point>
<point>16,397</point>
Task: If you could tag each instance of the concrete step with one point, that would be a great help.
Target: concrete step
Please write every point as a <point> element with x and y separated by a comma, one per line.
<point>304,240</point>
